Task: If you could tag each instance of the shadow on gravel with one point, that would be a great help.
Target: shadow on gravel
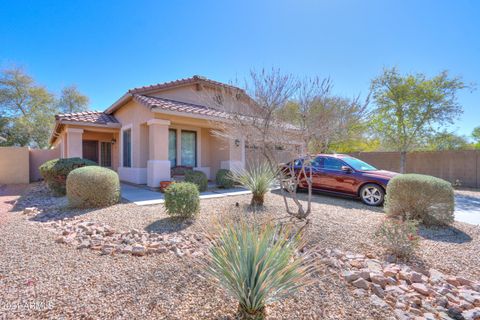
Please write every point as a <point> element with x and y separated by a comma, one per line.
<point>51,208</point>
<point>168,225</point>
<point>334,200</point>
<point>448,234</point>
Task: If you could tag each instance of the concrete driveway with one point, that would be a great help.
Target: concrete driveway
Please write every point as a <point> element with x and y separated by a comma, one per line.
<point>467,207</point>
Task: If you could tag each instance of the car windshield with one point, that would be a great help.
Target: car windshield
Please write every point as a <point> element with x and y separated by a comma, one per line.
<point>358,164</point>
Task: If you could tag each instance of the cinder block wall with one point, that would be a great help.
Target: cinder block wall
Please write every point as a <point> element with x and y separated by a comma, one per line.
<point>463,165</point>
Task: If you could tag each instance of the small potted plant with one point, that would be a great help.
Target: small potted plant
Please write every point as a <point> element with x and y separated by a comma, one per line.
<point>164,185</point>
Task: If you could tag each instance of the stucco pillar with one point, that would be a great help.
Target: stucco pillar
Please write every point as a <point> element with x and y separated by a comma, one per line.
<point>236,160</point>
<point>74,143</point>
<point>158,165</point>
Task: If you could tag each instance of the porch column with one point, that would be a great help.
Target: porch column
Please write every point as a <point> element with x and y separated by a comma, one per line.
<point>74,143</point>
<point>158,165</point>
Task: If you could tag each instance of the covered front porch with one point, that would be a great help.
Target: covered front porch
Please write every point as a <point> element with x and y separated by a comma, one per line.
<point>95,144</point>
<point>151,151</point>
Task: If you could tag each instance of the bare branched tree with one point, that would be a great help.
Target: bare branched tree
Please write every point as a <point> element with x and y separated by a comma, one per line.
<point>309,127</point>
<point>315,118</point>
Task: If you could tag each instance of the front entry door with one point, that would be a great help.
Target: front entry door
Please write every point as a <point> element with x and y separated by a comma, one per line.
<point>90,150</point>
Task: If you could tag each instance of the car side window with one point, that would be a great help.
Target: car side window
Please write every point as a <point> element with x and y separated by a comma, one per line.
<point>298,163</point>
<point>332,164</point>
<point>317,162</point>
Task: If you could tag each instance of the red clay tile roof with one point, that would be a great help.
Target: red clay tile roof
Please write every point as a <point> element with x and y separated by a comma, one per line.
<point>95,117</point>
<point>179,82</point>
<point>178,106</point>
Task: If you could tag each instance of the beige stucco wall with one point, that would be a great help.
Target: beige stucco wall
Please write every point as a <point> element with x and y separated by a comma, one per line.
<point>14,165</point>
<point>38,157</point>
<point>220,151</point>
<point>135,116</point>
<point>206,97</point>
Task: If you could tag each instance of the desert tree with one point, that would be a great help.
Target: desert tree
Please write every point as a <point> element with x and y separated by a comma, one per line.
<point>476,137</point>
<point>411,108</point>
<point>447,141</point>
<point>316,117</point>
<point>265,93</point>
<point>71,100</point>
<point>320,118</point>
<point>28,108</point>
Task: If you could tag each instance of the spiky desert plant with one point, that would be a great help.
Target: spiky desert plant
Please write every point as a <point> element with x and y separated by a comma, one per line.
<point>258,178</point>
<point>258,265</point>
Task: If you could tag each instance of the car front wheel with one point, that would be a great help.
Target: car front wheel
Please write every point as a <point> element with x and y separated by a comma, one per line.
<point>372,194</point>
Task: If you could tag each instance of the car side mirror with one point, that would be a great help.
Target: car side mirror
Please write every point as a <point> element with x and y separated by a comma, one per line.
<point>346,169</point>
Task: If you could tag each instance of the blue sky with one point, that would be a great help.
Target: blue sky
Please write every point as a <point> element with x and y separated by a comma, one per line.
<point>107,47</point>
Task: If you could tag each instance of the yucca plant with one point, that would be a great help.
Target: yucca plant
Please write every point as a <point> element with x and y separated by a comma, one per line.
<point>259,178</point>
<point>257,264</point>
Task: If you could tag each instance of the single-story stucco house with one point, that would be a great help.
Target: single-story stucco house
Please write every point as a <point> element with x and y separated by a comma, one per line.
<point>151,129</point>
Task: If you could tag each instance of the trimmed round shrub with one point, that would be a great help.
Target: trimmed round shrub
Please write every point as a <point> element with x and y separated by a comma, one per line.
<point>426,199</point>
<point>198,178</point>
<point>55,172</point>
<point>224,179</point>
<point>182,200</point>
<point>93,187</point>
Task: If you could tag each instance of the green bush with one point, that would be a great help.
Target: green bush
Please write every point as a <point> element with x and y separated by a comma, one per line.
<point>198,178</point>
<point>182,200</point>
<point>258,178</point>
<point>258,265</point>
<point>55,172</point>
<point>398,237</point>
<point>224,179</point>
<point>93,186</point>
<point>419,197</point>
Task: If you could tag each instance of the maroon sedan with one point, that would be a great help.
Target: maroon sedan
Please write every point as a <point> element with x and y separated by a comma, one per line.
<point>346,175</point>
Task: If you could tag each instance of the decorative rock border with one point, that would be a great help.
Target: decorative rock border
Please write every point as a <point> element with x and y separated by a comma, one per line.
<point>412,293</point>
<point>108,241</point>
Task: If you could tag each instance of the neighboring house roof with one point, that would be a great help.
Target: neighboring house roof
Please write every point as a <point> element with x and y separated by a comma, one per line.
<point>177,106</point>
<point>95,117</point>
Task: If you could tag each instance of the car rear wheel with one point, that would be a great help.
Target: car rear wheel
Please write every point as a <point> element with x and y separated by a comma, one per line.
<point>372,194</point>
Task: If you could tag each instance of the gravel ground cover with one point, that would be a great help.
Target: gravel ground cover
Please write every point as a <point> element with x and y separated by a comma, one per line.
<point>40,278</point>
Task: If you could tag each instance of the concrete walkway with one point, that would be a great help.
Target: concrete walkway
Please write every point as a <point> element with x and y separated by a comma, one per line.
<point>145,197</point>
<point>467,209</point>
